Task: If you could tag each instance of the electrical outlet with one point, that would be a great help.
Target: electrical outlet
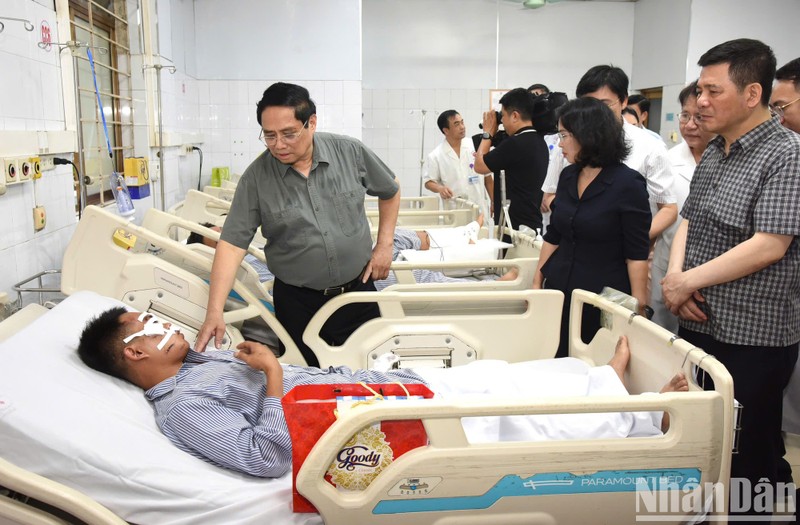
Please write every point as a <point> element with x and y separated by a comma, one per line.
<point>46,163</point>
<point>186,149</point>
<point>11,170</point>
<point>39,218</point>
<point>25,170</point>
<point>36,167</point>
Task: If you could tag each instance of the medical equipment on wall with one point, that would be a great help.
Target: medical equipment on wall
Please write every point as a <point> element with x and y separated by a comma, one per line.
<point>137,177</point>
<point>27,23</point>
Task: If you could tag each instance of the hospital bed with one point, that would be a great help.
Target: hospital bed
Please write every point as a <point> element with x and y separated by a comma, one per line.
<point>76,427</point>
<point>174,290</point>
<point>202,207</point>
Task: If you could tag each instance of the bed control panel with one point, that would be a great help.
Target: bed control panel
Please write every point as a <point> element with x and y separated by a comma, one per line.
<point>428,350</point>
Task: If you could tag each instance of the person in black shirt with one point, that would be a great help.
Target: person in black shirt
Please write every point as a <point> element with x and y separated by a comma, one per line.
<point>523,156</point>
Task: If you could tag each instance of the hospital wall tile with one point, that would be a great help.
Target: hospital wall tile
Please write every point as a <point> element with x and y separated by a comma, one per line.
<point>218,92</point>
<point>366,98</point>
<point>367,121</point>
<point>366,138</point>
<point>316,88</point>
<point>382,154</point>
<point>411,158</point>
<point>412,138</point>
<point>203,92</point>
<point>238,92</point>
<point>395,159</point>
<point>442,101</point>
<point>396,99</point>
<point>474,100</point>
<point>412,118</point>
<point>351,117</point>
<point>351,93</point>
<point>427,99</point>
<point>396,118</point>
<point>334,117</point>
<point>380,99</point>
<point>380,118</point>
<point>333,93</point>
<point>458,99</point>
<point>380,138</point>
<point>411,99</point>
<point>395,138</point>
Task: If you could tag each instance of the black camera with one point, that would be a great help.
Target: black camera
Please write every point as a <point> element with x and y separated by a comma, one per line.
<point>499,119</point>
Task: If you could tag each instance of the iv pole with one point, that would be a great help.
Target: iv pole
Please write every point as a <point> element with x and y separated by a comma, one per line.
<point>422,151</point>
<point>74,46</point>
<point>171,69</point>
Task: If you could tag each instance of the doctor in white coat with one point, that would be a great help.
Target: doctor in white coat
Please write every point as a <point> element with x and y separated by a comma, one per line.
<point>684,158</point>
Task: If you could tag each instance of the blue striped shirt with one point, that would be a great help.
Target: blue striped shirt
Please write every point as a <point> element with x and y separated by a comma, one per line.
<point>216,408</point>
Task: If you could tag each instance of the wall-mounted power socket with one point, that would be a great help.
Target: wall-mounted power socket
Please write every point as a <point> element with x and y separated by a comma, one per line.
<point>46,162</point>
<point>11,170</point>
<point>39,218</point>
<point>185,149</point>
<point>36,167</point>
<point>25,169</point>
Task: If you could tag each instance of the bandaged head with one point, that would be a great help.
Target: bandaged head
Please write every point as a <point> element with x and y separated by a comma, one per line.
<point>153,326</point>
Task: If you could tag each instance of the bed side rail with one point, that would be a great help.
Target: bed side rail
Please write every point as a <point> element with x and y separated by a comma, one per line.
<point>498,482</point>
<point>42,489</point>
<point>656,355</point>
<point>444,329</point>
<point>526,269</point>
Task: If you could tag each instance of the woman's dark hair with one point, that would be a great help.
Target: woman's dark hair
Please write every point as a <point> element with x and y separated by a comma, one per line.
<point>101,345</point>
<point>597,130</point>
<point>287,95</point>
<point>629,111</point>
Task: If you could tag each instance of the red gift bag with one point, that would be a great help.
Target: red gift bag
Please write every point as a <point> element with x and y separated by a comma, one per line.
<point>310,410</point>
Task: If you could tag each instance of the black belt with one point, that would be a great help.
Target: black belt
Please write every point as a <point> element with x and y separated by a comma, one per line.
<point>338,290</point>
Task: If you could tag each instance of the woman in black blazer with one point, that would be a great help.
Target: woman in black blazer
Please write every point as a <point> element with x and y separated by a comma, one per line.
<point>598,233</point>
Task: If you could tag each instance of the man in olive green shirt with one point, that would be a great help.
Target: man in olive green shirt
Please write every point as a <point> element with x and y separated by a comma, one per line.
<point>306,192</point>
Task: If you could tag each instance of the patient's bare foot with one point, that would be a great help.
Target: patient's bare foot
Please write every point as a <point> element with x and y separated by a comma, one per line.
<point>678,383</point>
<point>510,275</point>
<point>622,354</point>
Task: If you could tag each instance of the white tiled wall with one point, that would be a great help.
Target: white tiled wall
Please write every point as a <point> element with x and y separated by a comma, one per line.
<point>393,125</point>
<point>31,99</point>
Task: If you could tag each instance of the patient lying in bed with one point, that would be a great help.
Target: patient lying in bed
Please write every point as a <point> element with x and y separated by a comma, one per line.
<point>404,239</point>
<point>225,407</point>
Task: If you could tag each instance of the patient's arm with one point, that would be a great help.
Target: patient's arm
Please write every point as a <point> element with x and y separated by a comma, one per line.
<point>262,358</point>
<point>205,427</point>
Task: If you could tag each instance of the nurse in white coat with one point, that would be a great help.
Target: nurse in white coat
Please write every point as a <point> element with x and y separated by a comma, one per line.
<point>684,158</point>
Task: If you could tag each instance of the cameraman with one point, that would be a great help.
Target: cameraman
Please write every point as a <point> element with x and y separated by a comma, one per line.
<point>523,156</point>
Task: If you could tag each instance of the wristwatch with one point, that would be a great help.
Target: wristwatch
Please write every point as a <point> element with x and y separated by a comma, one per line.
<point>486,136</point>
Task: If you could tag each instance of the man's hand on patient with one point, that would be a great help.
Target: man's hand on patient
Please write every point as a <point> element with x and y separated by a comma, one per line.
<point>259,357</point>
<point>213,328</point>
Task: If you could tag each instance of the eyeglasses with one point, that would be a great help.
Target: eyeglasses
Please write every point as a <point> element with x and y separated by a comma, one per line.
<point>779,110</point>
<point>563,134</point>
<point>685,116</point>
<point>271,139</point>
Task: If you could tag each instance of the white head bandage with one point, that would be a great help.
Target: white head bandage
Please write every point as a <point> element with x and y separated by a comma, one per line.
<point>153,326</point>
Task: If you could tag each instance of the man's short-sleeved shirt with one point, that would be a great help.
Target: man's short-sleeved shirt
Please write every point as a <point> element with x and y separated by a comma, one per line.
<point>316,228</point>
<point>524,157</point>
<point>755,188</point>
<point>453,170</point>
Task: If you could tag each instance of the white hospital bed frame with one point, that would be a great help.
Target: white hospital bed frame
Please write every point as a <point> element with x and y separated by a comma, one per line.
<point>700,437</point>
<point>92,261</point>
